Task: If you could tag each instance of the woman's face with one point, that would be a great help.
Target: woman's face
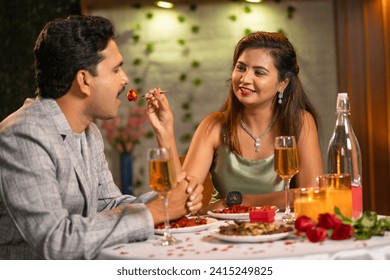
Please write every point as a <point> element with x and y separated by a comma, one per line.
<point>255,78</point>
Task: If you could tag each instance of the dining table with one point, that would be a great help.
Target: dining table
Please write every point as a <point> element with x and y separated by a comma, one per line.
<point>204,243</point>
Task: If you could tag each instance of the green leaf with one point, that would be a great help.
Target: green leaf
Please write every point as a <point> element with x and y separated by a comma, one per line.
<point>193,7</point>
<point>233,17</point>
<point>247,9</point>
<point>137,61</point>
<point>181,19</point>
<point>183,77</point>
<point>149,134</point>
<point>195,29</point>
<point>136,38</point>
<point>185,106</point>
<point>290,12</point>
<point>138,26</point>
<point>187,117</point>
<point>369,225</point>
<point>368,219</point>
<point>185,137</point>
<point>345,220</point>
<point>247,31</point>
<point>195,64</point>
<point>181,42</point>
<point>197,82</point>
<point>149,47</point>
<point>149,16</point>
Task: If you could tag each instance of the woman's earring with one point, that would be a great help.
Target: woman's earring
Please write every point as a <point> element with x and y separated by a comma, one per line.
<point>280,96</point>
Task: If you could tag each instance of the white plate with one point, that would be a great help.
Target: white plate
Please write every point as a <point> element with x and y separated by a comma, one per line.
<point>231,216</point>
<point>210,221</point>
<point>249,238</point>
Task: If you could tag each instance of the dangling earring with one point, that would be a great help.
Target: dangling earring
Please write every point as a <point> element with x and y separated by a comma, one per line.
<point>280,96</point>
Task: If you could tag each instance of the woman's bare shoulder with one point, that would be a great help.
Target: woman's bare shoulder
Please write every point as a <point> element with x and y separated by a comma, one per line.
<point>212,121</point>
<point>210,128</point>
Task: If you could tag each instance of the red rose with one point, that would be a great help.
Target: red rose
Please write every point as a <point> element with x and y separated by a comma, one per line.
<point>316,234</point>
<point>342,232</point>
<point>328,221</point>
<point>303,223</point>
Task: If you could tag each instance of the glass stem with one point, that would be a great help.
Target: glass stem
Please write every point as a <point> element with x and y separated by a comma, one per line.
<point>287,195</point>
<point>167,232</point>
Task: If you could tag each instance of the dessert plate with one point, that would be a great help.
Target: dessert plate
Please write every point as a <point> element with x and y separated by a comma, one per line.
<point>210,222</point>
<point>250,238</point>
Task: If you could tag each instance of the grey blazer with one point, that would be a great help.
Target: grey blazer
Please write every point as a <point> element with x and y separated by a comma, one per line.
<point>53,204</point>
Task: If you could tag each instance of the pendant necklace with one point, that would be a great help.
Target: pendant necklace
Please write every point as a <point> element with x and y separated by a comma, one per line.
<point>261,136</point>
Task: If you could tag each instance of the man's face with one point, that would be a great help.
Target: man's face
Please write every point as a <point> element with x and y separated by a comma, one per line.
<point>108,84</point>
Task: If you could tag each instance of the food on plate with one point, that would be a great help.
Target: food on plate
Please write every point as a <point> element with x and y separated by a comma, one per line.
<point>132,95</point>
<point>266,215</point>
<point>237,209</point>
<point>184,222</point>
<point>253,229</point>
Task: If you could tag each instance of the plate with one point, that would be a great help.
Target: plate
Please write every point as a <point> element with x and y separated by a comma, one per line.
<point>250,238</point>
<point>232,216</point>
<point>210,221</point>
<point>229,216</point>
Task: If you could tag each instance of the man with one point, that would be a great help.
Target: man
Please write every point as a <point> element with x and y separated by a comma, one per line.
<point>58,199</point>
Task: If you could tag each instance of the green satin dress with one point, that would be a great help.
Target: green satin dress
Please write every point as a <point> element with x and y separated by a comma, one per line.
<point>231,172</point>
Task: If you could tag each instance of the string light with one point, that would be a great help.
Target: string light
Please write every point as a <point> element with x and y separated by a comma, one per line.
<point>164,4</point>
<point>253,1</point>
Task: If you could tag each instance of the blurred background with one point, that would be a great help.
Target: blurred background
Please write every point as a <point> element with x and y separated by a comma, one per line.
<point>342,46</point>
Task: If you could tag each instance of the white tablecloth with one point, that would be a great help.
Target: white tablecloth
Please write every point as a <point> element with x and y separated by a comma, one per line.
<point>201,245</point>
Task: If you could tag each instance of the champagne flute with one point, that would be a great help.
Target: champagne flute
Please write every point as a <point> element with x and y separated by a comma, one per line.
<point>286,165</point>
<point>162,178</point>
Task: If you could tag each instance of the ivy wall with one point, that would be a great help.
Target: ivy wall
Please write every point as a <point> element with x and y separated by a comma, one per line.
<point>188,51</point>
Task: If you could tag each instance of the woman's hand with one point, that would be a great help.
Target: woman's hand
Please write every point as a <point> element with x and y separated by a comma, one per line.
<point>161,119</point>
<point>195,191</point>
<point>158,110</point>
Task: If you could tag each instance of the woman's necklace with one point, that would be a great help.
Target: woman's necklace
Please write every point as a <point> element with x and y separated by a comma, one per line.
<point>261,136</point>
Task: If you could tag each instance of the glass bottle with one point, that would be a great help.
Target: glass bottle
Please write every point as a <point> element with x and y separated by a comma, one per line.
<point>344,154</point>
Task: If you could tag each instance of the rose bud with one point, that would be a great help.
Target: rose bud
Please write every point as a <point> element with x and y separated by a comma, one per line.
<point>316,234</point>
<point>342,232</point>
<point>328,221</point>
<point>132,95</point>
<point>303,223</point>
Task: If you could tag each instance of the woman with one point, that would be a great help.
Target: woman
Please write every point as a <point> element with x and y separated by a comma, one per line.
<point>236,144</point>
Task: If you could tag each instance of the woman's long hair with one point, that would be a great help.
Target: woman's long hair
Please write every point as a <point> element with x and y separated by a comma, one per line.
<point>289,114</point>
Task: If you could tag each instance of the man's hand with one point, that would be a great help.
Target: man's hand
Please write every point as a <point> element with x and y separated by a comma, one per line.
<point>184,198</point>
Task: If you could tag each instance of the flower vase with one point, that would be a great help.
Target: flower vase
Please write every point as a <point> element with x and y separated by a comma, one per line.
<point>126,165</point>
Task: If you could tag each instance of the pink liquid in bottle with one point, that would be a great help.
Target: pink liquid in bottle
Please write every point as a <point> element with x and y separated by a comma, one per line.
<point>357,201</point>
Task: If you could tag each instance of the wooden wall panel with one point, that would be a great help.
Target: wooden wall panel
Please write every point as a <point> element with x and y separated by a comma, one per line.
<point>363,52</point>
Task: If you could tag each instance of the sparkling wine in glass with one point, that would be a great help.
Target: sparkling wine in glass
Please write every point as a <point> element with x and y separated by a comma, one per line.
<point>286,165</point>
<point>162,178</point>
